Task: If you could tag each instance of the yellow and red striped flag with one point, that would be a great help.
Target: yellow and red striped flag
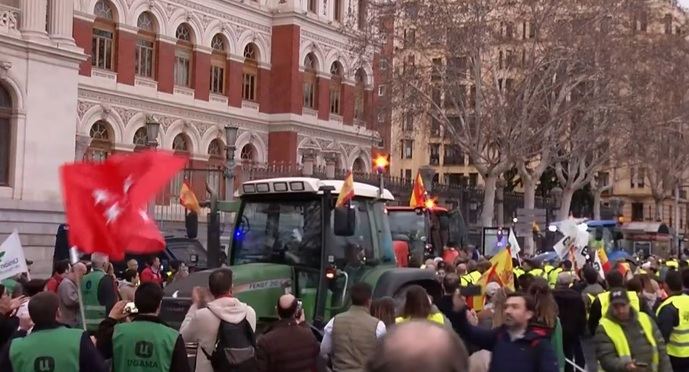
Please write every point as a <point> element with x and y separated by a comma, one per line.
<point>418,193</point>
<point>347,190</point>
<point>188,199</point>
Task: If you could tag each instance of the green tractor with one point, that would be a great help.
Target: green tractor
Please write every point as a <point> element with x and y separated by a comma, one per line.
<point>289,237</point>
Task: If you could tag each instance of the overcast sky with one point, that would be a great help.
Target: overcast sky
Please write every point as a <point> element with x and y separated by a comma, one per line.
<point>684,3</point>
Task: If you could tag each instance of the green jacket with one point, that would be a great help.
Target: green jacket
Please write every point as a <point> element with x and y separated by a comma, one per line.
<point>639,346</point>
<point>556,341</point>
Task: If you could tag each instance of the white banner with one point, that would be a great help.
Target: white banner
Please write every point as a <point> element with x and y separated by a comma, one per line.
<point>12,260</point>
<point>514,244</point>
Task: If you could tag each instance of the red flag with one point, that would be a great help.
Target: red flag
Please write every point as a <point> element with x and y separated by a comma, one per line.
<point>105,203</point>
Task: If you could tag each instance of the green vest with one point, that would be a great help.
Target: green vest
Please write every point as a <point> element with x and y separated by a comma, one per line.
<point>678,346</point>
<point>143,346</point>
<point>94,312</point>
<point>50,350</point>
<point>518,271</point>
<point>354,339</point>
<point>538,273</point>
<point>605,302</point>
<point>437,318</point>
<point>619,340</point>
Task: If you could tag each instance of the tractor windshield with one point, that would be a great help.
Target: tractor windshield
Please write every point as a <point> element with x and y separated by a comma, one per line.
<point>279,231</point>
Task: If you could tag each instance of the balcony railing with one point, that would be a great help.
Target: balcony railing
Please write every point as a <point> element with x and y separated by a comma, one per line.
<point>9,19</point>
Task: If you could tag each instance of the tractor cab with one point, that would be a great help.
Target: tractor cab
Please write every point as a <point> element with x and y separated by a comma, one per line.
<point>289,237</point>
<point>426,231</point>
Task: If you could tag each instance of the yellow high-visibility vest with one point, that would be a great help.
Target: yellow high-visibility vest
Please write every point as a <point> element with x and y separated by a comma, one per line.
<point>435,318</point>
<point>552,276</point>
<point>518,271</point>
<point>537,272</point>
<point>619,340</point>
<point>604,299</point>
<point>678,346</point>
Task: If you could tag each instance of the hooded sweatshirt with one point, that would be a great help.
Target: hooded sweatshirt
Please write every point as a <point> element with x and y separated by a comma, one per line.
<point>201,325</point>
<point>640,348</point>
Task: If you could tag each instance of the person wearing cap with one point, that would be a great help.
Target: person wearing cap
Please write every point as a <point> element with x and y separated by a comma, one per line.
<point>629,340</point>
<point>599,306</point>
<point>673,322</point>
<point>572,314</point>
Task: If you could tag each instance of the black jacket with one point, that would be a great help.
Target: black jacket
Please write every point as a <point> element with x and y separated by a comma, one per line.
<point>107,293</point>
<point>287,347</point>
<point>8,327</point>
<point>572,312</point>
<point>180,363</point>
<point>89,358</point>
<point>668,318</point>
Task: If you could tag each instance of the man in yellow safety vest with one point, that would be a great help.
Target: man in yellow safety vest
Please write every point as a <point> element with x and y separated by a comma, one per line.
<point>628,340</point>
<point>599,306</point>
<point>673,321</point>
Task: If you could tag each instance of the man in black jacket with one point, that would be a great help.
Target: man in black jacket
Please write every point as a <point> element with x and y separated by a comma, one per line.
<point>144,341</point>
<point>572,314</point>
<point>289,345</point>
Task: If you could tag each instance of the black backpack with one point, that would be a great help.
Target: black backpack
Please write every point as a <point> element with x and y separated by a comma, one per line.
<point>235,348</point>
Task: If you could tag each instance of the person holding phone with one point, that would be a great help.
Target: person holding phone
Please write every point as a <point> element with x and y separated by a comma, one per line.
<point>288,345</point>
<point>628,340</point>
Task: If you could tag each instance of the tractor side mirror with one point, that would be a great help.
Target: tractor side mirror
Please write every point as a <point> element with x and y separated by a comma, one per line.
<point>345,221</point>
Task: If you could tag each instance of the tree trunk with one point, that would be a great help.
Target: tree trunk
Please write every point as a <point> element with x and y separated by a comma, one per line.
<point>659,210</point>
<point>565,203</point>
<point>499,204</point>
<point>596,204</point>
<point>488,200</point>
<point>529,203</point>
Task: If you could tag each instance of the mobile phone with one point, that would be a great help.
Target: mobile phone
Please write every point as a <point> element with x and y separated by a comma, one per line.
<point>130,308</point>
<point>641,364</point>
<point>300,308</point>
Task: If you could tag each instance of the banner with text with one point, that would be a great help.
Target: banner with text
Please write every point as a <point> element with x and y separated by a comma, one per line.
<point>12,260</point>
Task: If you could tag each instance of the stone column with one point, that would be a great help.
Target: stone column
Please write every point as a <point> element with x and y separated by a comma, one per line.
<point>61,14</point>
<point>308,162</point>
<point>33,19</point>
<point>330,164</point>
<point>82,144</point>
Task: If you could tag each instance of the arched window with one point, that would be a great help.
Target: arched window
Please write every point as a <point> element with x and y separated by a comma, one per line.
<point>103,40</point>
<point>101,141</point>
<point>140,139</point>
<point>145,45</point>
<point>359,166</point>
<point>181,143</point>
<point>183,55</point>
<point>336,88</point>
<point>215,149</point>
<point>359,95</point>
<point>310,86</point>
<point>218,61</point>
<point>250,73</point>
<point>5,135</point>
<point>248,153</point>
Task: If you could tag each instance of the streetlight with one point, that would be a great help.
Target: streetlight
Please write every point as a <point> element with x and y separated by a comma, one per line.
<point>381,163</point>
<point>152,129</point>
<point>230,147</point>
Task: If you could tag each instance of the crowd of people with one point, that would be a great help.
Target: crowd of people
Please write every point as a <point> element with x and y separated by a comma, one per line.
<point>556,319</point>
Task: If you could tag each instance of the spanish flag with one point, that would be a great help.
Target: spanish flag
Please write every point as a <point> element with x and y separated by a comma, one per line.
<point>603,257</point>
<point>347,190</point>
<point>187,198</point>
<point>501,271</point>
<point>418,193</point>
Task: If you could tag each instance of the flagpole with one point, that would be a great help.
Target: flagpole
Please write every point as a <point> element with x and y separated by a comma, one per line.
<point>74,259</point>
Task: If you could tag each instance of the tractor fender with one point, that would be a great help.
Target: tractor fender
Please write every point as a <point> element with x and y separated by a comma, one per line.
<point>392,281</point>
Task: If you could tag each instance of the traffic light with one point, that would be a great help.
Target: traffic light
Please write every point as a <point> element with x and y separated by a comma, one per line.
<point>381,163</point>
